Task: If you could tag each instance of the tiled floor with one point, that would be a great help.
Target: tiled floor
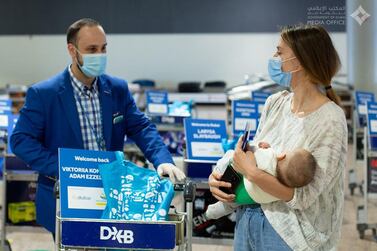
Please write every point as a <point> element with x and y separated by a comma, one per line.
<point>27,239</point>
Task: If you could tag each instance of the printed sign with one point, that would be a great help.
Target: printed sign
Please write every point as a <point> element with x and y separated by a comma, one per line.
<point>4,120</point>
<point>118,235</point>
<point>372,124</point>
<point>7,124</point>
<point>81,192</point>
<point>259,96</point>
<point>12,120</point>
<point>361,98</point>
<point>244,111</point>
<point>6,106</point>
<point>372,175</point>
<point>203,139</point>
<point>157,102</point>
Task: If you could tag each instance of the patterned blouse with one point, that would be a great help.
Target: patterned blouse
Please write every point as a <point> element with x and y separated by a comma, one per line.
<point>312,219</point>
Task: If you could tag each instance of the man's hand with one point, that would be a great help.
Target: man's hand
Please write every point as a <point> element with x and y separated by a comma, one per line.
<point>169,169</point>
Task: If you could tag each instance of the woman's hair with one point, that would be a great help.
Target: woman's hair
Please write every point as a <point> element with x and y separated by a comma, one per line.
<point>315,51</point>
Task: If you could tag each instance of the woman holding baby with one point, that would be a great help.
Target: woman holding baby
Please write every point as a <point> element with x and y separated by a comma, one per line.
<point>309,117</point>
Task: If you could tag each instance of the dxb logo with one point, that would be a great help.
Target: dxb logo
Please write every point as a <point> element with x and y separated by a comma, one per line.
<point>122,236</point>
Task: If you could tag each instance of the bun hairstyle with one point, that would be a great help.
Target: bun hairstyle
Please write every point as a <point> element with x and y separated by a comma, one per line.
<point>316,53</point>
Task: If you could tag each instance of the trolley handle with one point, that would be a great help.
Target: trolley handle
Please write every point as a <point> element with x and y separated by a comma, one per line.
<point>56,189</point>
<point>188,188</point>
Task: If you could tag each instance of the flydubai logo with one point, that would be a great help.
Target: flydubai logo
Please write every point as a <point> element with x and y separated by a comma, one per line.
<point>122,236</point>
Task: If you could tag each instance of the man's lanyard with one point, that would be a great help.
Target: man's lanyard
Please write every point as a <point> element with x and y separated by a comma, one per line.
<point>99,140</point>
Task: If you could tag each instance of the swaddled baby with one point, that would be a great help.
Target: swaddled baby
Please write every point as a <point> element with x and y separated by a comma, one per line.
<point>293,169</point>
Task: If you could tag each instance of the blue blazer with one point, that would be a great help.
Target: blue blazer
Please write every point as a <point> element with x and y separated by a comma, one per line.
<point>49,120</point>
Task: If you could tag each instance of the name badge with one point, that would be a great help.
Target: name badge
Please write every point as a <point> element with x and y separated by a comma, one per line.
<point>118,119</point>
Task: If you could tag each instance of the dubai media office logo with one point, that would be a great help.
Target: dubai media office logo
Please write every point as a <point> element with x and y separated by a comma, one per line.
<point>360,15</point>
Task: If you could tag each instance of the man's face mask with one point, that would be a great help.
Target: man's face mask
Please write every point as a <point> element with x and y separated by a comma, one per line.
<point>93,65</point>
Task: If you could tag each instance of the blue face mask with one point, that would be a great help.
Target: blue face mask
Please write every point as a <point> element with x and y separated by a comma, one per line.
<point>93,64</point>
<point>277,74</point>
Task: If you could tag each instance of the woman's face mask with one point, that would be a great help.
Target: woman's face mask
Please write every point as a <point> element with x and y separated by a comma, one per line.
<point>94,65</point>
<point>277,74</point>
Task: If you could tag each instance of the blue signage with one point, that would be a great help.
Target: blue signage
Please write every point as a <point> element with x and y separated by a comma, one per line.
<point>244,111</point>
<point>12,120</point>
<point>6,102</point>
<point>259,96</point>
<point>5,106</point>
<point>7,124</point>
<point>361,98</point>
<point>101,234</point>
<point>4,121</point>
<point>81,190</point>
<point>157,102</point>
<point>203,139</point>
<point>372,124</point>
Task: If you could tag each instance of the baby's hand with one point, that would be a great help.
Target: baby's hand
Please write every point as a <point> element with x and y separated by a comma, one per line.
<point>263,145</point>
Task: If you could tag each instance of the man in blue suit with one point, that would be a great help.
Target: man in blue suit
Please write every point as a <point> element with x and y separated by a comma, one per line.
<point>82,108</point>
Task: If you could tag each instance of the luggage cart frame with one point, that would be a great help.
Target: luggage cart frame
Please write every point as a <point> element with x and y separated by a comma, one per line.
<point>362,210</point>
<point>11,175</point>
<point>4,243</point>
<point>175,226</point>
<point>359,123</point>
<point>352,177</point>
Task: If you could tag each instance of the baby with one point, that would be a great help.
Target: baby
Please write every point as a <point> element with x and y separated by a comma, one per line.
<point>293,169</point>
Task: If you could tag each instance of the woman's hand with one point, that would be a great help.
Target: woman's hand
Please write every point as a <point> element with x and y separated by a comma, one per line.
<point>263,145</point>
<point>244,162</point>
<point>214,184</point>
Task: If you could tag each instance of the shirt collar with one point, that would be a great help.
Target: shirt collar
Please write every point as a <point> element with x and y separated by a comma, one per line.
<point>81,88</point>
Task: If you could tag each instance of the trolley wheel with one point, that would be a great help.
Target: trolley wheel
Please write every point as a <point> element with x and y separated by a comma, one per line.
<point>352,190</point>
<point>361,234</point>
<point>361,189</point>
<point>7,246</point>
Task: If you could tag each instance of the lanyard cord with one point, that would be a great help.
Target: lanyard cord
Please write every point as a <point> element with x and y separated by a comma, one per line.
<point>99,140</point>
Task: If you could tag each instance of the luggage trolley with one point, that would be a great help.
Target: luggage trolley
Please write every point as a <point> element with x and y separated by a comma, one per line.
<point>14,169</point>
<point>370,172</point>
<point>358,124</point>
<point>130,235</point>
<point>4,243</point>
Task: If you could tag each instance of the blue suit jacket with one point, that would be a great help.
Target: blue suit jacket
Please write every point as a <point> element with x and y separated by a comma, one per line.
<point>49,120</point>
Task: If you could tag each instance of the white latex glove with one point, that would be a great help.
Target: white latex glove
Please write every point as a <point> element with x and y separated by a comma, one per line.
<point>169,169</point>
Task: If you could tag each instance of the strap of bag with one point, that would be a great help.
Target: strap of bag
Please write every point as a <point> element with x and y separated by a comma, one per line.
<point>119,156</point>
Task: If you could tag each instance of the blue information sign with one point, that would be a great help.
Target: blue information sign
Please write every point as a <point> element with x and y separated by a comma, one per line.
<point>361,98</point>
<point>4,121</point>
<point>81,190</point>
<point>203,139</point>
<point>372,124</point>
<point>101,234</point>
<point>7,124</point>
<point>244,111</point>
<point>12,120</point>
<point>157,102</point>
<point>259,96</point>
<point>5,106</point>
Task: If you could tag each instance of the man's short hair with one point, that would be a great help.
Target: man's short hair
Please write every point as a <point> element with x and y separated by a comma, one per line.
<point>74,28</point>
